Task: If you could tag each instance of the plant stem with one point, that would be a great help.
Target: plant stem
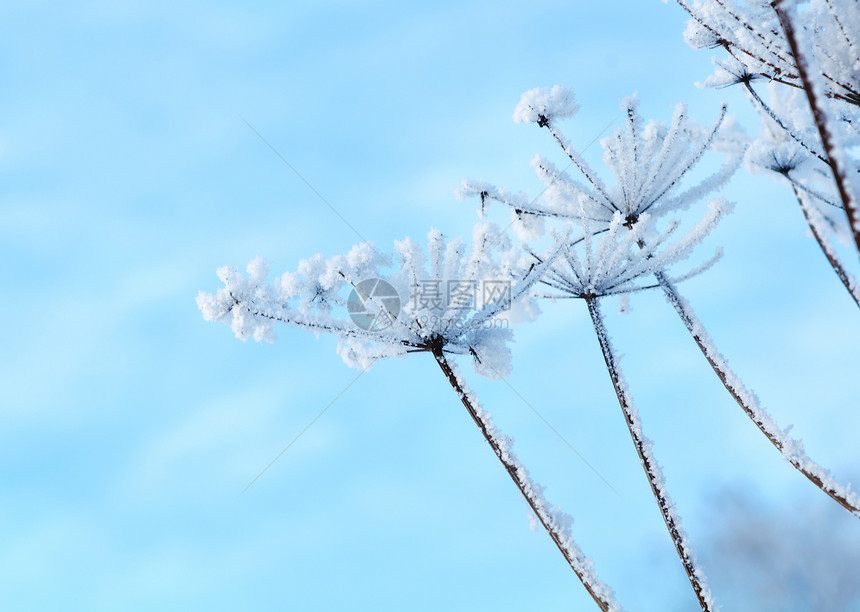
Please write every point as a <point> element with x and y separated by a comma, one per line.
<point>768,112</point>
<point>531,491</point>
<point>847,280</point>
<point>791,449</point>
<point>649,464</point>
<point>818,114</point>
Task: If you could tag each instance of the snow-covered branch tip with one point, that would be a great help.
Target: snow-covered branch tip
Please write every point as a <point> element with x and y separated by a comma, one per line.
<point>543,106</point>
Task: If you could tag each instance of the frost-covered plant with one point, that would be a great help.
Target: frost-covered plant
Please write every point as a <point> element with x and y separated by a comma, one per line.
<point>629,155</point>
<point>617,262</point>
<point>809,139</point>
<point>359,298</point>
<point>810,46</point>
<point>784,153</point>
<point>445,304</point>
<point>616,237</point>
<point>649,161</point>
<point>751,33</point>
<point>619,244</point>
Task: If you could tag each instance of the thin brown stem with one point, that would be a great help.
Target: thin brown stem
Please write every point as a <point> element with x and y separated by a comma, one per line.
<point>839,176</point>
<point>777,74</point>
<point>776,119</point>
<point>768,45</point>
<point>732,48</point>
<point>846,279</point>
<point>792,450</point>
<point>649,464</point>
<point>841,27</point>
<point>601,593</point>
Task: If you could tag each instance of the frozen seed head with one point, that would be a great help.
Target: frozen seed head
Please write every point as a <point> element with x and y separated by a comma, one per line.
<point>542,105</point>
<point>447,296</point>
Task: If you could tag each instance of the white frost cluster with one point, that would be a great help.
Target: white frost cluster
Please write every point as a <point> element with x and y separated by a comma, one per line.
<point>544,105</point>
<point>649,162</point>
<point>447,295</point>
<point>617,261</point>
<point>751,33</point>
<point>613,239</point>
<point>827,36</point>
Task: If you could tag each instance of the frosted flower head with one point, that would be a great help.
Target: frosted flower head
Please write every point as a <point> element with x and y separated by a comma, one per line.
<point>542,105</point>
<point>618,260</point>
<point>752,36</point>
<point>780,158</point>
<point>442,297</point>
<point>699,37</point>
<point>649,162</point>
<point>728,72</point>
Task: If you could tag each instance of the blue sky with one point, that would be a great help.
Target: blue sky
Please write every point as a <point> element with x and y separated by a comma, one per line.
<point>129,426</point>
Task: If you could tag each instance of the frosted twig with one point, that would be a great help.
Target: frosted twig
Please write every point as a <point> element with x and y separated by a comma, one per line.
<point>652,470</point>
<point>827,138</point>
<point>252,306</point>
<point>556,523</point>
<point>848,281</point>
<point>791,449</point>
<point>768,111</point>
